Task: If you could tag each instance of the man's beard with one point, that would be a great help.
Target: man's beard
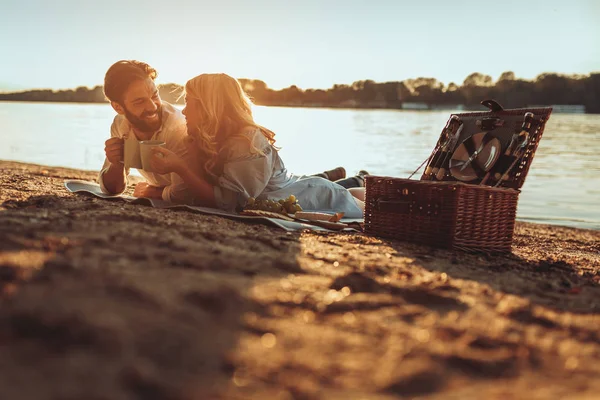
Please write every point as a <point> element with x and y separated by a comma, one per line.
<point>141,125</point>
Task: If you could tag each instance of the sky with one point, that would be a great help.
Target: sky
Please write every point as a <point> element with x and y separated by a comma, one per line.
<point>63,44</point>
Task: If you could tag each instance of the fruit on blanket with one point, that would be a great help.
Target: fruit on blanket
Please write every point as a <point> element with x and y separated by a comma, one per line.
<point>282,206</point>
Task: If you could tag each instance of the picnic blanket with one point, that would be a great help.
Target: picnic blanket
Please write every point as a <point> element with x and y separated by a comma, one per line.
<point>91,188</point>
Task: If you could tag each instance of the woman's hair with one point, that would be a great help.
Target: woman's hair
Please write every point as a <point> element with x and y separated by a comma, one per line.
<point>224,111</point>
<point>120,75</point>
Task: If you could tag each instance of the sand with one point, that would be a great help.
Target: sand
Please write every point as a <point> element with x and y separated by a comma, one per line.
<point>106,300</point>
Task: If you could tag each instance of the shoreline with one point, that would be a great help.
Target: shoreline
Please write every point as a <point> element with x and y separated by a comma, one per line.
<point>135,175</point>
<point>123,301</point>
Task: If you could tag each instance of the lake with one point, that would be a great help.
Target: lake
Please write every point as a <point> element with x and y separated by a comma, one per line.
<point>562,187</point>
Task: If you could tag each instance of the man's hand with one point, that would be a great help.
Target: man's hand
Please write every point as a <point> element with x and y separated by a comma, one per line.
<point>143,189</point>
<point>114,150</point>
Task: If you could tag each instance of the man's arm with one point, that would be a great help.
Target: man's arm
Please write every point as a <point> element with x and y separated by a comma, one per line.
<point>113,180</point>
<point>113,176</point>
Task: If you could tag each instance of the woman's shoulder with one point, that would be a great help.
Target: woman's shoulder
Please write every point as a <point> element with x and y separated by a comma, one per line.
<point>255,135</point>
<point>248,139</point>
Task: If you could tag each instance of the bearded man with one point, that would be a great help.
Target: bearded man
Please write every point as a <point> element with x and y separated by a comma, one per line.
<point>141,115</point>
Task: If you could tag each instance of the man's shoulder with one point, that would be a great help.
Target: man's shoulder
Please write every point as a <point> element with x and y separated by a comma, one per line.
<point>119,126</point>
<point>174,114</point>
<point>174,123</point>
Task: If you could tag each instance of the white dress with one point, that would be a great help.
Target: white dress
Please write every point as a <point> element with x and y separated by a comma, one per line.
<point>264,176</point>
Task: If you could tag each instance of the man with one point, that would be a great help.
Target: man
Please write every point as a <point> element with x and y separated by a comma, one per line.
<point>130,88</point>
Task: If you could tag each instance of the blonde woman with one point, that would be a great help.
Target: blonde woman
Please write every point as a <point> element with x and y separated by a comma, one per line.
<point>233,158</point>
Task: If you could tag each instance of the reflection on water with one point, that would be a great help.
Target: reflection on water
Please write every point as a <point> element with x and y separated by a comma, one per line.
<point>563,185</point>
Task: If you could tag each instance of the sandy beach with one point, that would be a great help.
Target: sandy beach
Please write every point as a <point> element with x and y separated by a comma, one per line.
<point>107,300</point>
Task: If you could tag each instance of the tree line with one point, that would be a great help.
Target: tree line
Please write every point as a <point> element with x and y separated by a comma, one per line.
<point>508,90</point>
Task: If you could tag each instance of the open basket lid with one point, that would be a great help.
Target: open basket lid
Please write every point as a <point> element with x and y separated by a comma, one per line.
<point>492,148</point>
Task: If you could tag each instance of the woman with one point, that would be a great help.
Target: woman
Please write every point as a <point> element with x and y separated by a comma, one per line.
<point>233,158</point>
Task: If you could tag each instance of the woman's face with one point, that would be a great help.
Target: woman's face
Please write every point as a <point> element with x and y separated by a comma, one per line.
<point>191,113</point>
<point>192,121</point>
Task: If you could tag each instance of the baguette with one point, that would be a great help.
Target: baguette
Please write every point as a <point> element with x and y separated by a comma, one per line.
<point>318,216</point>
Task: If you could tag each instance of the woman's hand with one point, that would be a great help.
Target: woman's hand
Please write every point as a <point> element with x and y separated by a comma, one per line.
<point>164,161</point>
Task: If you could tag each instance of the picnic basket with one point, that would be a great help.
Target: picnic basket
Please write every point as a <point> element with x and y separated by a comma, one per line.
<point>475,213</point>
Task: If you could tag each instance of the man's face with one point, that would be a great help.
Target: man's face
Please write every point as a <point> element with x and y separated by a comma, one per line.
<point>142,105</point>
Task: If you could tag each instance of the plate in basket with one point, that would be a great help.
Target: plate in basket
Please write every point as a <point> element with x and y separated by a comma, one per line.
<point>475,155</point>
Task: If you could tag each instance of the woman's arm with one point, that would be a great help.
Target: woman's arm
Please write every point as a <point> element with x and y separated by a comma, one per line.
<point>202,191</point>
<point>245,173</point>
<point>165,161</point>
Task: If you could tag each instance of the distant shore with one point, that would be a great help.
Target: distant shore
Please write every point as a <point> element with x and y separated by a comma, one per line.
<point>106,299</point>
<point>573,94</point>
<point>349,106</point>
<point>565,109</point>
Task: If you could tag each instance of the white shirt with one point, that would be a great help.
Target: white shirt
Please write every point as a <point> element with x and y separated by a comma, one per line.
<point>173,132</point>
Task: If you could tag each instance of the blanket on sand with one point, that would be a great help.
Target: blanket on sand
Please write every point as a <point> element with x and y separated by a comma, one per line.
<point>91,188</point>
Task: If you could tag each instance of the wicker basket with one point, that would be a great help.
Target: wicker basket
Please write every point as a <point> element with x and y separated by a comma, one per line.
<point>448,213</point>
<point>441,214</point>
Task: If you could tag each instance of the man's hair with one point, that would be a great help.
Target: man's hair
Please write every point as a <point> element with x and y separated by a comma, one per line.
<point>120,75</point>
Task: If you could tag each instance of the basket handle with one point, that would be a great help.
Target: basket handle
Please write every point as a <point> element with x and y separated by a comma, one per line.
<point>493,105</point>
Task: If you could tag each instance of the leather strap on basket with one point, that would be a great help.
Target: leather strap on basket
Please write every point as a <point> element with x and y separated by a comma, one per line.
<point>470,147</point>
<point>396,206</point>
